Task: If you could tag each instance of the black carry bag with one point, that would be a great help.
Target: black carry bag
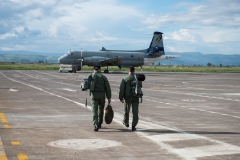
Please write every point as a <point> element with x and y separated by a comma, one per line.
<point>109,114</point>
<point>141,77</point>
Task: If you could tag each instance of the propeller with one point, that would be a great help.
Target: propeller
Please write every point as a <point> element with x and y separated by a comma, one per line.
<point>81,58</point>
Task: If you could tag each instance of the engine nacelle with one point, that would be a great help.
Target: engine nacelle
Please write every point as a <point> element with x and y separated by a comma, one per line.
<point>93,60</point>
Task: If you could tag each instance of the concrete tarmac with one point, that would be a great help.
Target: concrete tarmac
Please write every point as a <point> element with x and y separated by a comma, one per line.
<point>190,116</point>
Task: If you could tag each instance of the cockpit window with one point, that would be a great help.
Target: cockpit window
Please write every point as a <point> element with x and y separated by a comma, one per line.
<point>69,53</point>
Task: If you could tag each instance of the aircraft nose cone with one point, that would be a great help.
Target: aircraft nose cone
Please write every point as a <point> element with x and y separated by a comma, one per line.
<point>59,60</point>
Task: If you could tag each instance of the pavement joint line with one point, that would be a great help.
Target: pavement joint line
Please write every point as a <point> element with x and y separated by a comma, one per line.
<point>6,126</point>
<point>166,146</point>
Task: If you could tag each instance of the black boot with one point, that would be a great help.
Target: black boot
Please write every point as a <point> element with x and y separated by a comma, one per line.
<point>95,127</point>
<point>127,125</point>
<point>134,128</point>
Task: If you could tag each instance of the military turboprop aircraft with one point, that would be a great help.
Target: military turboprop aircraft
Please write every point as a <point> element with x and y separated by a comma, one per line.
<point>119,58</point>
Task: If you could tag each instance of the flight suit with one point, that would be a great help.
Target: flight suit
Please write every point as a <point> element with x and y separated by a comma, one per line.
<point>125,93</point>
<point>101,91</point>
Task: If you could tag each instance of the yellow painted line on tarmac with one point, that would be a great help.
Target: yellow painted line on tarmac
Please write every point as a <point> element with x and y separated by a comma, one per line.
<point>3,118</point>
<point>22,157</point>
<point>15,143</point>
<point>3,157</point>
<point>6,126</point>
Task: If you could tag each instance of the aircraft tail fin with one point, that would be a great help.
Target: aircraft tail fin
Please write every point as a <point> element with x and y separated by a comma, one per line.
<point>103,49</point>
<point>156,46</point>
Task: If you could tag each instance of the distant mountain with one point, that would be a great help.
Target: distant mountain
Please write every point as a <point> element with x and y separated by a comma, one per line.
<point>187,58</point>
<point>196,58</point>
<point>30,57</point>
<point>31,53</point>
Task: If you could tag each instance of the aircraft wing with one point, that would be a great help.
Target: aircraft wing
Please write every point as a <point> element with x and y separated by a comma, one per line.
<point>111,60</point>
<point>142,50</point>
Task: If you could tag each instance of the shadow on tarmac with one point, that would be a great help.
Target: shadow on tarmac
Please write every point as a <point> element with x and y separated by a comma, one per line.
<point>106,129</point>
<point>114,130</point>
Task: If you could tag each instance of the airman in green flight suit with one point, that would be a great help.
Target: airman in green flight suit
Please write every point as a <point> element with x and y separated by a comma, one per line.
<point>126,97</point>
<point>101,91</point>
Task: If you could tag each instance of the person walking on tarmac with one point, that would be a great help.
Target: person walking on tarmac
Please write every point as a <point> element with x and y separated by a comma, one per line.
<point>101,89</point>
<point>126,97</point>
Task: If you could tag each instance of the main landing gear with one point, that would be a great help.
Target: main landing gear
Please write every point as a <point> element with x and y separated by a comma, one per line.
<point>106,70</point>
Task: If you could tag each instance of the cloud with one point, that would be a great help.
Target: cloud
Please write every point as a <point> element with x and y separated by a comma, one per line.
<point>208,13</point>
<point>23,33</point>
<point>62,20</point>
<point>182,35</point>
<point>73,24</point>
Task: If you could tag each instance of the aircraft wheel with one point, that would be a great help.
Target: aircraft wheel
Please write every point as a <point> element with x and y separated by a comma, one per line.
<point>106,71</point>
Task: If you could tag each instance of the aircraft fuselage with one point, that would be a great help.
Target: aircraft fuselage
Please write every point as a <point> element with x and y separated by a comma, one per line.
<point>92,58</point>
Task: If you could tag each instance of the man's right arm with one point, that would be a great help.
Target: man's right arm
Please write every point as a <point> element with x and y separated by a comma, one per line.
<point>108,89</point>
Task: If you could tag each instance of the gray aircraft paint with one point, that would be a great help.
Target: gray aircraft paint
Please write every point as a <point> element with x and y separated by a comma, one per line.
<point>119,58</point>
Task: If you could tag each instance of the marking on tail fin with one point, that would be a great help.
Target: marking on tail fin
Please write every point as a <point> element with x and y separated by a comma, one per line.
<point>159,38</point>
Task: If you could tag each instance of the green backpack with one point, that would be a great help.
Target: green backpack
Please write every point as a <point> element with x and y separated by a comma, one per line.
<point>136,90</point>
<point>88,83</point>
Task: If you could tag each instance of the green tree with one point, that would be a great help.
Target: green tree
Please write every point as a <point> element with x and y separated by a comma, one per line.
<point>209,64</point>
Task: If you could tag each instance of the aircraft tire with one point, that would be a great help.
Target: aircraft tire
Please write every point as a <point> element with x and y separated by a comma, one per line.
<point>106,71</point>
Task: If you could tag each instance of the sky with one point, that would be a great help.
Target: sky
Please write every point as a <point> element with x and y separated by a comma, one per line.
<point>57,26</point>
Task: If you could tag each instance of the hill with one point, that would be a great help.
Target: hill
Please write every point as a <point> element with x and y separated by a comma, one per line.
<point>196,58</point>
<point>28,57</point>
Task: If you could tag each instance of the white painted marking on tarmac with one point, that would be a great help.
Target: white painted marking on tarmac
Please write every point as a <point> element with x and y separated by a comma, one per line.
<point>2,151</point>
<point>225,147</point>
<point>195,109</point>
<point>172,137</point>
<point>84,144</point>
<point>58,76</point>
<point>231,94</point>
<point>81,104</point>
<point>51,75</point>
<point>190,94</point>
<point>27,75</point>
<point>210,150</point>
<point>13,90</point>
<point>45,80</point>
<point>192,100</point>
<point>67,89</point>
